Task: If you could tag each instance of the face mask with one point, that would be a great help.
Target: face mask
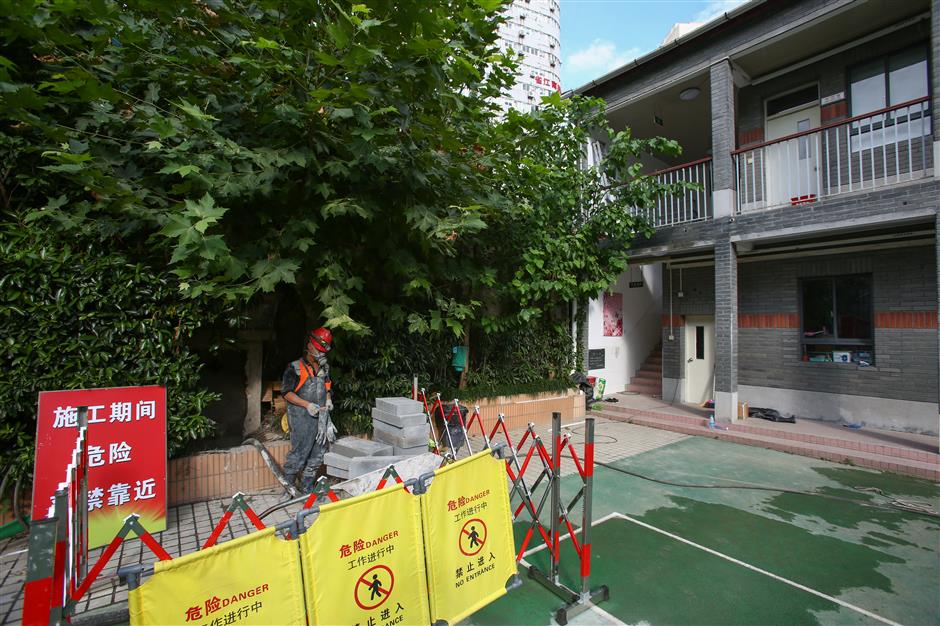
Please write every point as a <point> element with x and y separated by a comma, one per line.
<point>321,358</point>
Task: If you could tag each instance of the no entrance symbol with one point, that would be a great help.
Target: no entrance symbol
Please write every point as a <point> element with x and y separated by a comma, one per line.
<point>374,587</point>
<point>472,537</point>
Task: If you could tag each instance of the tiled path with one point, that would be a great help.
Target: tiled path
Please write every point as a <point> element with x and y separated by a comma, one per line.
<point>189,525</point>
<point>904,453</point>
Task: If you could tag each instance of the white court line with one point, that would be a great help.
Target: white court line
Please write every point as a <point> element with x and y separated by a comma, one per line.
<point>594,608</point>
<point>759,570</point>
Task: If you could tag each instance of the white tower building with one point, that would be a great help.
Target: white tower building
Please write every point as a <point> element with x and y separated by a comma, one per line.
<point>533,30</point>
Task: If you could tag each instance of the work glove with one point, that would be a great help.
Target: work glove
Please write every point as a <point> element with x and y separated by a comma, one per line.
<point>313,409</point>
<point>326,432</point>
<point>329,404</point>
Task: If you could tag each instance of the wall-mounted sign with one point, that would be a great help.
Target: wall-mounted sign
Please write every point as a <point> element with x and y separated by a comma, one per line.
<point>635,284</point>
<point>833,98</point>
<point>596,359</point>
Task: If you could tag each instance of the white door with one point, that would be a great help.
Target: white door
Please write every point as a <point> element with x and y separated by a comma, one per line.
<point>699,358</point>
<point>792,170</point>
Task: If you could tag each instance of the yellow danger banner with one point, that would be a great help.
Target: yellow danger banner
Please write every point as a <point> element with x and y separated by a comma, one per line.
<point>467,536</point>
<point>254,579</point>
<point>363,562</point>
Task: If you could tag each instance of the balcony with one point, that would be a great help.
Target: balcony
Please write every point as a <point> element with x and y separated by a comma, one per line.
<point>692,205</point>
<point>878,149</point>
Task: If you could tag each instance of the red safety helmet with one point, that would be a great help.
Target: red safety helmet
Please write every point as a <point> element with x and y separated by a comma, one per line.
<point>321,338</point>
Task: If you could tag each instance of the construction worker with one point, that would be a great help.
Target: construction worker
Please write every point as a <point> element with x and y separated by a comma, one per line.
<point>307,388</point>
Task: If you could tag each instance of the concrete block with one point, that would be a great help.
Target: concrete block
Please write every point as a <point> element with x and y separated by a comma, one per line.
<point>411,451</point>
<point>400,441</point>
<point>337,472</point>
<point>408,468</point>
<point>333,459</point>
<point>399,406</point>
<point>354,446</point>
<point>399,421</point>
<point>366,464</point>
<point>410,432</point>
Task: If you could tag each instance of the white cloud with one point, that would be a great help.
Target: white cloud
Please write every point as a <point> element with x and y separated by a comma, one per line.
<point>594,61</point>
<point>715,8</point>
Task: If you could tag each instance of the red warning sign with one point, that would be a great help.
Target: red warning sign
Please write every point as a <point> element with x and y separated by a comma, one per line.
<point>374,587</point>
<point>472,537</point>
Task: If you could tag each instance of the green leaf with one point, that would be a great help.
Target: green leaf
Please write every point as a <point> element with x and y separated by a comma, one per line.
<point>192,110</point>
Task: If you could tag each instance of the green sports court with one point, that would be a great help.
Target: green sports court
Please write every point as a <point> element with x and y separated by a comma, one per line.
<point>721,554</point>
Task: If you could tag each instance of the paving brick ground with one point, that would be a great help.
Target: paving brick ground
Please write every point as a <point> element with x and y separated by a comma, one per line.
<point>189,525</point>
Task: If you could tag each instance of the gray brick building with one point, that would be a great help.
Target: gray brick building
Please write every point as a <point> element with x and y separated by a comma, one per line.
<point>803,276</point>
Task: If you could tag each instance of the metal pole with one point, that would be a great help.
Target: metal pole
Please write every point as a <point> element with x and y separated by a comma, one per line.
<point>587,510</point>
<point>556,492</point>
<point>83,494</point>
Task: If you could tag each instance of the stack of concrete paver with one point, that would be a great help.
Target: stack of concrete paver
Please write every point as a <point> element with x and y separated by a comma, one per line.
<point>399,431</point>
<point>401,423</point>
<point>351,456</point>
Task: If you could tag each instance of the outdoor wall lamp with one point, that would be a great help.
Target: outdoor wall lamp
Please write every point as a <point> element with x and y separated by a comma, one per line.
<point>690,93</point>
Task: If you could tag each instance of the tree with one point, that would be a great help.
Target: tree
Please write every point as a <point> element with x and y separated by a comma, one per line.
<point>349,150</point>
<point>258,144</point>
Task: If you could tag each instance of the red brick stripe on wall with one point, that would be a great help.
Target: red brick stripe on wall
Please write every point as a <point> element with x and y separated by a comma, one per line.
<point>906,319</point>
<point>753,135</point>
<point>768,320</point>
<point>677,320</point>
<point>834,111</point>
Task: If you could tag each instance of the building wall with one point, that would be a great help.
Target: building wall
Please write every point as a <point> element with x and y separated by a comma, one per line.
<point>697,285</point>
<point>533,30</point>
<point>832,75</point>
<point>899,391</point>
<point>642,309</point>
<point>911,202</point>
<point>903,283</point>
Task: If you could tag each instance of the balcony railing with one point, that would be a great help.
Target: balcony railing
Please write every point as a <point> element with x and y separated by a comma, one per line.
<point>885,147</point>
<point>691,205</point>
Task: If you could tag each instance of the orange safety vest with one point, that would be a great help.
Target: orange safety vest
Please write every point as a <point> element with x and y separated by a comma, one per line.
<point>306,373</point>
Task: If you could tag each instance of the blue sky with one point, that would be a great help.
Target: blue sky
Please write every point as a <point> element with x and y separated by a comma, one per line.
<point>598,36</point>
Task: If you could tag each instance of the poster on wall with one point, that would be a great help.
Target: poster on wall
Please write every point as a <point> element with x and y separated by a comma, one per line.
<point>613,314</point>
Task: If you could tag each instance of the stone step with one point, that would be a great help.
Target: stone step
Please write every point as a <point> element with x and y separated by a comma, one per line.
<point>650,388</point>
<point>645,374</point>
<point>888,458</point>
<point>849,444</point>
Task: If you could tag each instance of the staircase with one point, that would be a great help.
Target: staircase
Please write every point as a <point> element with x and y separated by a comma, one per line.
<point>649,379</point>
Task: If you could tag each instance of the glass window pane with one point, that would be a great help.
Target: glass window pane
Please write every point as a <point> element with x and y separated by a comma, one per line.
<point>907,77</point>
<point>700,342</point>
<point>817,308</point>
<point>853,304</point>
<point>803,142</point>
<point>868,88</point>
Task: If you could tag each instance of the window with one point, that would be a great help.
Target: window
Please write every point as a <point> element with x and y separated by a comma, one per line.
<point>837,319</point>
<point>793,100</point>
<point>883,83</point>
